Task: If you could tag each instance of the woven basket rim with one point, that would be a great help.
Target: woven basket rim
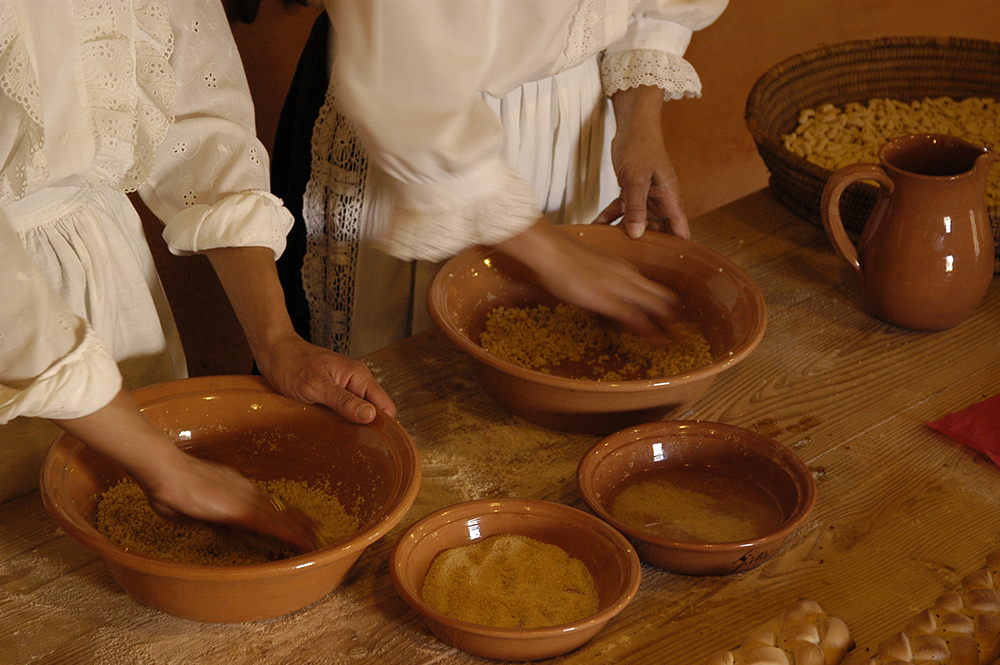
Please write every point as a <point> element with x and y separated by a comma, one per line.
<point>774,73</point>
<point>958,43</point>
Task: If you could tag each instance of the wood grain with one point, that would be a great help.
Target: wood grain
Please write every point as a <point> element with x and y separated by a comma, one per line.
<point>903,513</point>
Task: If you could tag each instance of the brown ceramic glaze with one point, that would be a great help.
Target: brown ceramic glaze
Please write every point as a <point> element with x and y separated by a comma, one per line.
<point>925,256</point>
<point>608,556</point>
<point>730,451</point>
<point>720,297</point>
<point>239,421</point>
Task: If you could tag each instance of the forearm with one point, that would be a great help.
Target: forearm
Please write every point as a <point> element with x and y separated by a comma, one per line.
<point>176,483</point>
<point>308,373</point>
<point>250,279</point>
<point>120,431</point>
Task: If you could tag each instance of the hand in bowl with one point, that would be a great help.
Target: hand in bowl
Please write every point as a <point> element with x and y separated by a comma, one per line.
<point>606,285</point>
<point>178,485</point>
<point>195,489</point>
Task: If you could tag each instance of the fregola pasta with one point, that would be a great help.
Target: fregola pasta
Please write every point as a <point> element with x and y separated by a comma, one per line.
<point>124,515</point>
<point>570,338</point>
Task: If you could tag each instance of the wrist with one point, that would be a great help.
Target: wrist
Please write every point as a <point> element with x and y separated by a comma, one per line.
<point>539,239</point>
<point>638,106</point>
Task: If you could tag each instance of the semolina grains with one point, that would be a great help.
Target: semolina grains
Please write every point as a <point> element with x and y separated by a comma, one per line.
<point>569,341</point>
<point>124,515</point>
<point>510,581</point>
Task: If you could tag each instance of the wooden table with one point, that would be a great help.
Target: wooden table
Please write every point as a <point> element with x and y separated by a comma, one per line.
<point>903,512</point>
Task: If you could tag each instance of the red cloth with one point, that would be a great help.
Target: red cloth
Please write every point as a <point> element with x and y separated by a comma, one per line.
<point>977,426</point>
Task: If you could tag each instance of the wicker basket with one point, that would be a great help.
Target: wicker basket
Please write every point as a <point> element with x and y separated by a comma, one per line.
<point>902,68</point>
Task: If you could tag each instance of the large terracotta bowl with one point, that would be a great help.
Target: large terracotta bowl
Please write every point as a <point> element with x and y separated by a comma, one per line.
<point>718,296</point>
<point>240,421</point>
<point>609,557</point>
<point>731,457</point>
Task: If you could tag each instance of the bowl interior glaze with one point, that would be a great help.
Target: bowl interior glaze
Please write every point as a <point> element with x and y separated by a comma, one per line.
<point>731,452</point>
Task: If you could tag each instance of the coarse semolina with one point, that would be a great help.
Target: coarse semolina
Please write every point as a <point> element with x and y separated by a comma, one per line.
<point>571,339</point>
<point>510,581</point>
<point>124,515</point>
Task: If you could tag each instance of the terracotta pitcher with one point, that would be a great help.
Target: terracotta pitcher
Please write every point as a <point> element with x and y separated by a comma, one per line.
<point>925,256</point>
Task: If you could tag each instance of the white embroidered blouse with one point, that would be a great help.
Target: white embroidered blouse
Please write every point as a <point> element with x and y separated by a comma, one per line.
<point>411,75</point>
<point>117,96</point>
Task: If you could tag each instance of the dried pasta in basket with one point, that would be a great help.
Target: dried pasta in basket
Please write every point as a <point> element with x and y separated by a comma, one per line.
<point>962,628</point>
<point>834,137</point>
<point>801,635</point>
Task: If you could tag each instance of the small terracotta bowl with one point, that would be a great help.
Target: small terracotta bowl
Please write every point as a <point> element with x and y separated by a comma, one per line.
<point>609,557</point>
<point>241,422</point>
<point>718,296</point>
<point>737,462</point>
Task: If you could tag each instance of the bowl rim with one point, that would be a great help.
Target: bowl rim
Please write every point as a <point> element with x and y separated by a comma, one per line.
<point>66,447</point>
<point>471,509</point>
<point>449,269</point>
<point>694,428</point>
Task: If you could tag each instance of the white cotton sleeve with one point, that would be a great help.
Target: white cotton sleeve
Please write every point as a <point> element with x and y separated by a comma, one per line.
<point>211,178</point>
<point>52,364</point>
<point>421,115</point>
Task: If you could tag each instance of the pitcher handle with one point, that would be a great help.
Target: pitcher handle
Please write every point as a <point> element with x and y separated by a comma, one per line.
<point>830,205</point>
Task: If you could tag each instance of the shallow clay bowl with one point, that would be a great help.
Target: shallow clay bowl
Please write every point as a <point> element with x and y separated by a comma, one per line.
<point>718,296</point>
<point>609,557</point>
<point>239,421</point>
<point>738,463</point>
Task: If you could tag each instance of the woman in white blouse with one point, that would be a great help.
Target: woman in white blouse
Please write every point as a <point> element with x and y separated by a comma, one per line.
<point>97,100</point>
<point>454,122</point>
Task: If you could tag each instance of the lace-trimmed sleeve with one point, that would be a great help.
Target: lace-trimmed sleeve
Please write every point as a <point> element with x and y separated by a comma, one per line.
<point>652,50</point>
<point>675,75</point>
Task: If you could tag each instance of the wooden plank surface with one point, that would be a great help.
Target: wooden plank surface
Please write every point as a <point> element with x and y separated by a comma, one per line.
<point>902,515</point>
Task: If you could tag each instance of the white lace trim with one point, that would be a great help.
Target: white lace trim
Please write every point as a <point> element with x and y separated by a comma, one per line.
<point>18,81</point>
<point>129,84</point>
<point>128,126</point>
<point>333,206</point>
<point>581,42</point>
<point>628,69</point>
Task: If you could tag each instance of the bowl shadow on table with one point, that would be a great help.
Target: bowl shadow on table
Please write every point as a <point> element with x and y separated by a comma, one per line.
<point>719,298</point>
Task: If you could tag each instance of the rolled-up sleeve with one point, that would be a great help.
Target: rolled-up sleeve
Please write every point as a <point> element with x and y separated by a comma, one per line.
<point>52,364</point>
<point>651,52</point>
<point>211,179</point>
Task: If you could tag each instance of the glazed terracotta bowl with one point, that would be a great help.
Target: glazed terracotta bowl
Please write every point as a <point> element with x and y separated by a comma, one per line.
<point>608,556</point>
<point>720,298</point>
<point>239,421</point>
<point>741,494</point>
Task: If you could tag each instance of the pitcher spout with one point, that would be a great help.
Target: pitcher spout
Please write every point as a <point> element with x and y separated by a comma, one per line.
<point>985,162</point>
